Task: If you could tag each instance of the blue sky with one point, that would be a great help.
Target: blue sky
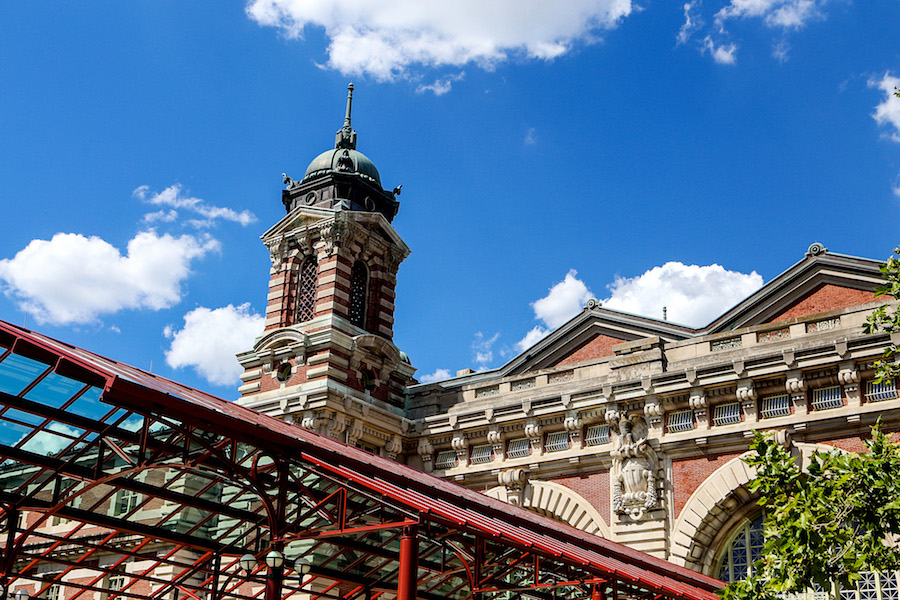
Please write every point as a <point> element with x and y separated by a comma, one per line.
<point>645,153</point>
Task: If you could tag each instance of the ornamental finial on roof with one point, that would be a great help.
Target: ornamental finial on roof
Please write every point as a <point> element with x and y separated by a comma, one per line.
<point>346,137</point>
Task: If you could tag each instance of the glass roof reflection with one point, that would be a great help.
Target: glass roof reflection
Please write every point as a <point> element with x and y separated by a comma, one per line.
<point>17,373</point>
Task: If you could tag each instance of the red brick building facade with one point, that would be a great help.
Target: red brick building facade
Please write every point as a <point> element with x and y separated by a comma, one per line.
<point>628,427</point>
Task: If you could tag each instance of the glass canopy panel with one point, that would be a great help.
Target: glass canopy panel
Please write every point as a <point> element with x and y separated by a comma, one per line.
<point>52,440</point>
<point>54,390</point>
<point>22,417</point>
<point>17,372</point>
<point>88,405</point>
<point>12,433</point>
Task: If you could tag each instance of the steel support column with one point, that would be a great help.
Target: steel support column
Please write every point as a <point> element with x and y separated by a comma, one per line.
<point>273,583</point>
<point>407,579</point>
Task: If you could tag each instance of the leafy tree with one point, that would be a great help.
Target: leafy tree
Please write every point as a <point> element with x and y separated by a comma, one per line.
<point>827,524</point>
<point>887,319</point>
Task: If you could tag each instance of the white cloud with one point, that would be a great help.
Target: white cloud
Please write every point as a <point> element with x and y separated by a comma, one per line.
<point>781,15</point>
<point>781,51</point>
<point>173,197</point>
<point>692,22</point>
<point>211,338</point>
<point>530,137</point>
<point>441,86</point>
<point>75,279</point>
<point>724,54</point>
<point>161,216</point>
<point>438,375</point>
<point>534,335</point>
<point>692,295</point>
<point>385,38</point>
<point>563,301</point>
<point>787,14</point>
<point>888,111</point>
<point>482,348</point>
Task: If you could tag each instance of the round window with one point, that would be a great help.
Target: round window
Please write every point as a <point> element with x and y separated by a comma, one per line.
<point>283,373</point>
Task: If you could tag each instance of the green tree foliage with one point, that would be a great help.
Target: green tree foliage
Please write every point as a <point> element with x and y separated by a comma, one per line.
<point>887,319</point>
<point>826,524</point>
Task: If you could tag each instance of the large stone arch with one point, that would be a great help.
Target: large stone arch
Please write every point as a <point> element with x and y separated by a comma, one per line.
<point>557,502</point>
<point>717,506</point>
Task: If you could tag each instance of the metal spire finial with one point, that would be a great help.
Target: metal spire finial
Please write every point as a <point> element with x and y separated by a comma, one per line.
<point>346,137</point>
<point>349,106</point>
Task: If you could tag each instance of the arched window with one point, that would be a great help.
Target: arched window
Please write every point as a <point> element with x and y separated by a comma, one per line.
<point>745,547</point>
<point>741,551</point>
<point>359,285</point>
<point>306,295</point>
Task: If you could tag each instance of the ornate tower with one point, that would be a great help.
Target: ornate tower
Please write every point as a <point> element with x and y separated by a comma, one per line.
<point>326,359</point>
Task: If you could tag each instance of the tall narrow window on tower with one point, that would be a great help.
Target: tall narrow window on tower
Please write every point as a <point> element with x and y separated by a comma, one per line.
<point>359,285</point>
<point>306,297</point>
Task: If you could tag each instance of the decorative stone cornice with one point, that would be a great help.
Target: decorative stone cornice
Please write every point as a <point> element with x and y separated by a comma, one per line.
<point>611,415</point>
<point>795,383</point>
<point>394,446</point>
<point>848,374</point>
<point>336,424</point>
<point>425,449</point>
<point>745,390</point>
<point>697,399</point>
<point>356,431</point>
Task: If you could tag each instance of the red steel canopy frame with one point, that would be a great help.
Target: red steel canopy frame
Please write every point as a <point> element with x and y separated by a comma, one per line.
<point>116,483</point>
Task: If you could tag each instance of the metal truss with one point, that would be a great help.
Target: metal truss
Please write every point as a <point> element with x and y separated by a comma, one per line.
<point>117,484</point>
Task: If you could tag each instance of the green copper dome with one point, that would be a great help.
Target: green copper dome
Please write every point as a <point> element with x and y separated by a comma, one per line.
<point>343,160</point>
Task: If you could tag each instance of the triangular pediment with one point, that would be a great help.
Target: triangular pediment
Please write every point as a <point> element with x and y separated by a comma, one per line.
<point>819,283</point>
<point>591,335</point>
<point>303,218</point>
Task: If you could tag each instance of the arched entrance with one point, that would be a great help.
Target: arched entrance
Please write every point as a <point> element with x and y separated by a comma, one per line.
<point>557,502</point>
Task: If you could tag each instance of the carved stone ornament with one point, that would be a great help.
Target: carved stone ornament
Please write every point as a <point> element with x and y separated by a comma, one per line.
<point>515,481</point>
<point>336,424</point>
<point>355,431</point>
<point>394,446</point>
<point>310,421</point>
<point>612,413</point>
<point>278,252</point>
<point>333,233</point>
<point>795,384</point>
<point>848,375</point>
<point>573,422</point>
<point>697,399</point>
<point>532,429</point>
<point>745,391</point>
<point>635,465</point>
<point>425,448</point>
<point>495,436</point>
<point>459,443</point>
